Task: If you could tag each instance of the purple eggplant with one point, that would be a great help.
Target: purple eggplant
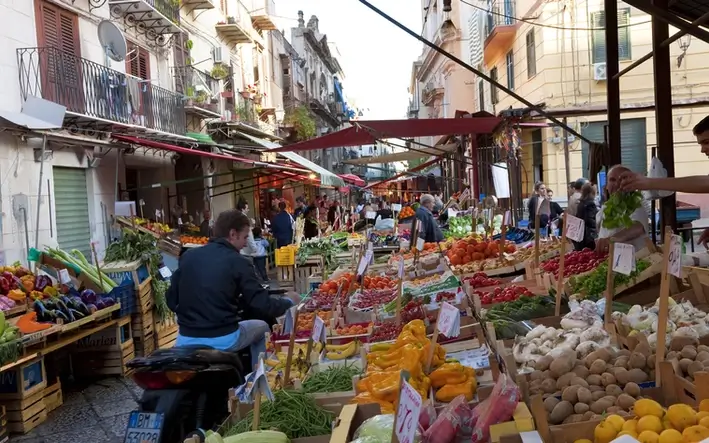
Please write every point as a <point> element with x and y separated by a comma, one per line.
<point>108,301</point>
<point>8,301</point>
<point>88,296</point>
<point>100,304</point>
<point>41,282</point>
<point>91,308</point>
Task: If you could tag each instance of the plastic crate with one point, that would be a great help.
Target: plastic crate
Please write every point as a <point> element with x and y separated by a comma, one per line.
<point>125,295</point>
<point>285,256</point>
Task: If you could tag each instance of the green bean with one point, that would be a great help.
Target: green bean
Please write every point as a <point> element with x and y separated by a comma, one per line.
<point>333,379</point>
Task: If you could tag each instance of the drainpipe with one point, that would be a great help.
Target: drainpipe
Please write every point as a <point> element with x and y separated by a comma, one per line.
<point>39,194</point>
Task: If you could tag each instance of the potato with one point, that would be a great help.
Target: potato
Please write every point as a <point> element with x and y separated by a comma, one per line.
<point>706,364</point>
<point>536,375</point>
<point>623,353</point>
<point>600,354</point>
<point>625,401</point>
<point>597,395</point>
<point>684,364</point>
<point>570,394</point>
<point>584,395</point>
<point>561,366</point>
<point>637,360</point>
<point>651,375</point>
<point>543,363</point>
<point>581,408</point>
<point>581,371</point>
<point>587,415</point>
<point>650,362</point>
<point>672,355</point>
<point>607,379</point>
<point>610,398</point>
<point>613,390</point>
<point>613,410</point>
<point>695,366</point>
<point>632,389</point>
<point>642,348</point>
<point>621,362</point>
<point>594,379</point>
<point>596,417</point>
<point>600,406</point>
<point>678,343</point>
<point>562,410</point>
<point>636,376</point>
<point>557,394</point>
<point>574,418</point>
<point>689,352</point>
<point>564,380</point>
<point>550,402</point>
<point>598,367</point>
<point>702,348</point>
<point>547,374</point>
<point>579,382</point>
<point>702,356</point>
<point>621,376</point>
<point>548,385</point>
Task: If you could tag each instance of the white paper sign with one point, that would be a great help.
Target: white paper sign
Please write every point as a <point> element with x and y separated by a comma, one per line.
<point>141,202</point>
<point>623,258</point>
<point>452,213</point>
<point>448,322</point>
<point>370,215</point>
<point>401,268</point>
<point>179,221</point>
<point>165,272</point>
<point>507,220</point>
<point>420,243</point>
<point>259,383</point>
<point>674,264</point>
<point>318,329</point>
<point>288,320</point>
<point>396,207</point>
<point>157,214</point>
<point>364,261</point>
<point>407,414</point>
<point>575,227</point>
<point>64,277</point>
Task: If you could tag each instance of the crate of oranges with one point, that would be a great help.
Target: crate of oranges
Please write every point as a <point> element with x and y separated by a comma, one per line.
<point>346,333</point>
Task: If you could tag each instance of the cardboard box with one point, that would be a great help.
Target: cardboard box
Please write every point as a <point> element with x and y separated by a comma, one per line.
<point>351,417</point>
<point>522,421</point>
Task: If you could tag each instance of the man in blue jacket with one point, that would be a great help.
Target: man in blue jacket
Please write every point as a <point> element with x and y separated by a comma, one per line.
<point>215,285</point>
<point>282,226</point>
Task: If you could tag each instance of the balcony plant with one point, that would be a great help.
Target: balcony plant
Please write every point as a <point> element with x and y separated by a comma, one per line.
<point>189,93</point>
<point>241,112</point>
<point>219,71</point>
<point>202,97</point>
<point>302,123</point>
<point>231,20</point>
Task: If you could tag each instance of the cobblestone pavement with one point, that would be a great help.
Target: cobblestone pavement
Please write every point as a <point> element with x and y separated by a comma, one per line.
<point>97,413</point>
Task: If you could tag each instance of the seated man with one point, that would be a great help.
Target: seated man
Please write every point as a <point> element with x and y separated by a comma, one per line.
<point>214,283</point>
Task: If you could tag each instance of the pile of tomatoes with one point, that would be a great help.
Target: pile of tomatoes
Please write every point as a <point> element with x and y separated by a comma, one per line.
<point>499,295</point>
<point>345,281</point>
<point>481,280</point>
<point>575,262</point>
<point>465,251</point>
<point>378,282</point>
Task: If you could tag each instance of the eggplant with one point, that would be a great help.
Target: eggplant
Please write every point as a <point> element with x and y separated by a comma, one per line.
<point>88,296</point>
<point>50,304</point>
<point>91,308</point>
<point>61,315</point>
<point>108,301</point>
<point>43,314</point>
<point>100,304</point>
<point>76,314</point>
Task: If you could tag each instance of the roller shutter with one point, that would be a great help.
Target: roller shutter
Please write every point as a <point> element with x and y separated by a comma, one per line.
<point>72,210</point>
<point>633,141</point>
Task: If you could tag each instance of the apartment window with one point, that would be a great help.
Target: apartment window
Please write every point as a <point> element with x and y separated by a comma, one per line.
<point>481,95</point>
<point>510,60</point>
<point>598,36</point>
<point>493,88</point>
<point>138,65</point>
<point>531,55</point>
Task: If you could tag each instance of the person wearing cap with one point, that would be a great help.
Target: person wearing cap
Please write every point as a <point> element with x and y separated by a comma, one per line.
<point>299,206</point>
<point>576,196</point>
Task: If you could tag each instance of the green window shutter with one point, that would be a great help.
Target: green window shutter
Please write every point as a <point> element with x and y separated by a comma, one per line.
<point>624,52</point>
<point>633,139</point>
<point>71,202</point>
<point>598,36</point>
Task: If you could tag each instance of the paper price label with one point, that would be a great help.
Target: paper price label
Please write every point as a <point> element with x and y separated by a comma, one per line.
<point>407,414</point>
<point>507,220</point>
<point>157,214</point>
<point>141,202</point>
<point>452,213</point>
<point>401,268</point>
<point>364,261</point>
<point>448,322</point>
<point>370,215</point>
<point>396,207</point>
<point>64,277</point>
<point>623,258</point>
<point>165,272</point>
<point>419,243</point>
<point>674,264</point>
<point>575,227</point>
<point>179,221</point>
<point>259,384</point>
<point>289,320</point>
<point>318,329</point>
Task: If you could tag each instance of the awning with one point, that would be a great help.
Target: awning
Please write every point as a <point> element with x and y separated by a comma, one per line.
<point>353,179</point>
<point>368,132</point>
<point>405,173</point>
<point>404,156</point>
<point>327,178</point>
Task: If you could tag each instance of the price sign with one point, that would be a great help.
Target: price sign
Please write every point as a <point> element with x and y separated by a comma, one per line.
<point>157,214</point>
<point>401,268</point>
<point>179,221</point>
<point>396,207</point>
<point>64,277</point>
<point>452,213</point>
<point>370,215</point>
<point>141,202</point>
<point>165,272</point>
<point>419,243</point>
<point>674,264</point>
<point>448,322</point>
<point>259,383</point>
<point>407,414</point>
<point>507,220</point>
<point>288,320</point>
<point>318,329</point>
<point>364,261</point>
<point>623,258</point>
<point>575,227</point>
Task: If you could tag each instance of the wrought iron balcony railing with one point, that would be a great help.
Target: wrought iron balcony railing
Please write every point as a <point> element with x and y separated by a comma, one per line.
<point>169,8</point>
<point>95,91</point>
<point>200,88</point>
<point>500,13</point>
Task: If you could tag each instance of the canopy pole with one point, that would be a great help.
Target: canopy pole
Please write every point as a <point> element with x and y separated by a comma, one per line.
<point>39,194</point>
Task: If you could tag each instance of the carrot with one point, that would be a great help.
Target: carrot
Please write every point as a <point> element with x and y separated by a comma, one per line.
<point>28,324</point>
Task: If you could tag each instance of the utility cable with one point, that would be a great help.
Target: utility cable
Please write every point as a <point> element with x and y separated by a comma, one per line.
<point>543,25</point>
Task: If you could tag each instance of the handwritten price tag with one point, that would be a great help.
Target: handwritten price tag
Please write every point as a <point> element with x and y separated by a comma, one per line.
<point>623,258</point>
<point>396,207</point>
<point>674,264</point>
<point>448,322</point>
<point>288,320</point>
<point>507,220</point>
<point>259,384</point>
<point>575,227</point>
<point>364,261</point>
<point>370,215</point>
<point>407,414</point>
<point>401,268</point>
<point>419,243</point>
<point>64,277</point>
<point>318,330</point>
<point>452,213</point>
<point>165,272</point>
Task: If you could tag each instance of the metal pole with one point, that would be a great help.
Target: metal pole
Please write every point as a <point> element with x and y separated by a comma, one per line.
<point>567,157</point>
<point>613,83</point>
<point>663,113</point>
<point>669,18</point>
<point>39,195</point>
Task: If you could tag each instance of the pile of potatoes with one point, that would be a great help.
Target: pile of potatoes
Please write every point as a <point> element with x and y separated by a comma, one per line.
<point>604,381</point>
<point>691,359</point>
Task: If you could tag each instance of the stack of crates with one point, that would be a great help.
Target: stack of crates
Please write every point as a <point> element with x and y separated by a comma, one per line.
<point>22,392</point>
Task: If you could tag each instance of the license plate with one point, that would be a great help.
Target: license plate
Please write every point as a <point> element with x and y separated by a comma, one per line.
<point>144,427</point>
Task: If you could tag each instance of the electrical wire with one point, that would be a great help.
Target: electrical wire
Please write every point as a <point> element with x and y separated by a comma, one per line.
<point>544,25</point>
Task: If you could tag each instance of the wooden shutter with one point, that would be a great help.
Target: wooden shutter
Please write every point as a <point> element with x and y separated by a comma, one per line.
<point>223,6</point>
<point>531,55</point>
<point>624,34</point>
<point>138,63</point>
<point>57,28</point>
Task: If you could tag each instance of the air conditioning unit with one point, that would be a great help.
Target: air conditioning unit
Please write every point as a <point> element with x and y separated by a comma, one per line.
<point>221,54</point>
<point>599,71</point>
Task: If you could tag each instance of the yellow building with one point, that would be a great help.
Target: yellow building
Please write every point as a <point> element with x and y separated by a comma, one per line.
<point>553,53</point>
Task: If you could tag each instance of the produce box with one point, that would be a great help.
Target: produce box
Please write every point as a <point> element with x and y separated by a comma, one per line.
<point>120,271</point>
<point>53,396</point>
<point>350,418</point>
<point>106,352</point>
<point>26,414</point>
<point>165,333</point>
<point>24,380</point>
<point>522,421</point>
<point>144,294</point>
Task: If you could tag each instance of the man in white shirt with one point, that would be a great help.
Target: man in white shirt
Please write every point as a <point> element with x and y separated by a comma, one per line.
<point>637,233</point>
<point>574,199</point>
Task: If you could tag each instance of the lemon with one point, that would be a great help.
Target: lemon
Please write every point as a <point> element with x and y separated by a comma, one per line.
<point>648,437</point>
<point>650,423</point>
<point>670,436</point>
<point>617,421</point>
<point>645,407</point>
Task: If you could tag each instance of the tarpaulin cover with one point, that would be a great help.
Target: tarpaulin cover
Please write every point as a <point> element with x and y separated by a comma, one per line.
<point>402,174</point>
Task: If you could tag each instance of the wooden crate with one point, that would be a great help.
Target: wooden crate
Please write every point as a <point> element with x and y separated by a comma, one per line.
<point>122,270</point>
<point>302,277</point>
<point>53,396</point>
<point>26,414</point>
<point>107,352</point>
<point>165,333</point>
<point>4,432</point>
<point>143,328</point>
<point>24,380</point>
<point>144,294</point>
<point>144,346</point>
<point>286,277</point>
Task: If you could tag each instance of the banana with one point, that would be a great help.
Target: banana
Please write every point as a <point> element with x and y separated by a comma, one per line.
<point>343,353</point>
<point>337,348</point>
<point>272,363</point>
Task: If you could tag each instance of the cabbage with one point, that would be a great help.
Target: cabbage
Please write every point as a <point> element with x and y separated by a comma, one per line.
<point>378,429</point>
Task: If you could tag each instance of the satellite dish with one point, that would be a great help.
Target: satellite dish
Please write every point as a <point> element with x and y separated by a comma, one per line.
<point>112,41</point>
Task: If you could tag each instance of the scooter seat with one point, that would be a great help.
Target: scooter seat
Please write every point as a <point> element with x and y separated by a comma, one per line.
<point>190,354</point>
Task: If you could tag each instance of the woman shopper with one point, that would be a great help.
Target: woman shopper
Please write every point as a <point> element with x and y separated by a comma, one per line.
<point>587,211</point>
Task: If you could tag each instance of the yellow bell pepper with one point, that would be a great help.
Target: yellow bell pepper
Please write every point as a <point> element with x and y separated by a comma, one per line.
<point>50,291</point>
<point>447,393</point>
<point>448,374</point>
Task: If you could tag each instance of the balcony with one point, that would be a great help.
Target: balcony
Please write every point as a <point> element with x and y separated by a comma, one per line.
<point>321,108</point>
<point>262,13</point>
<point>95,94</point>
<point>152,17</point>
<point>194,5</point>
<point>413,110</point>
<point>501,29</point>
<point>201,89</point>
<point>238,28</point>
<point>430,93</point>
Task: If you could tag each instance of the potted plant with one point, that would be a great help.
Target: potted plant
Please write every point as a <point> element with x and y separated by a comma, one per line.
<point>219,71</point>
<point>189,93</point>
<point>302,123</point>
<point>202,97</point>
<point>241,113</point>
<point>231,20</point>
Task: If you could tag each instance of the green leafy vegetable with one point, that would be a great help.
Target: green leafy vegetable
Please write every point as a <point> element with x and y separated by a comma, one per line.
<point>618,209</point>
<point>594,283</point>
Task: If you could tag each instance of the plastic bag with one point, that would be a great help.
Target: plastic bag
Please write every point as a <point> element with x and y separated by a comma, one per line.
<point>497,408</point>
<point>427,416</point>
<point>378,429</point>
<point>657,170</point>
<point>453,424</point>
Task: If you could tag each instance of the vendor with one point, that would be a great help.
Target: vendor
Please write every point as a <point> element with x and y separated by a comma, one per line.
<point>637,233</point>
<point>384,212</point>
<point>205,229</point>
<point>428,228</point>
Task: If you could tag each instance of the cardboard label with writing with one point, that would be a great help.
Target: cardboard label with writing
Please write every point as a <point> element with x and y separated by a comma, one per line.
<point>623,258</point>
<point>396,207</point>
<point>64,277</point>
<point>165,272</point>
<point>420,243</point>
<point>448,322</point>
<point>370,215</point>
<point>575,227</point>
<point>674,264</point>
<point>318,329</point>
<point>407,414</point>
<point>288,320</point>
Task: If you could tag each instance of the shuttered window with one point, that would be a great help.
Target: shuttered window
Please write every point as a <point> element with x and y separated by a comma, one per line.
<point>138,62</point>
<point>493,88</point>
<point>510,62</point>
<point>72,209</point>
<point>531,55</point>
<point>58,28</point>
<point>633,141</point>
<point>598,36</point>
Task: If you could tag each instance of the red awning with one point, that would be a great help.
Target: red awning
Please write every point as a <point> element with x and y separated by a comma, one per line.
<point>353,179</point>
<point>368,132</point>
<point>414,169</point>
